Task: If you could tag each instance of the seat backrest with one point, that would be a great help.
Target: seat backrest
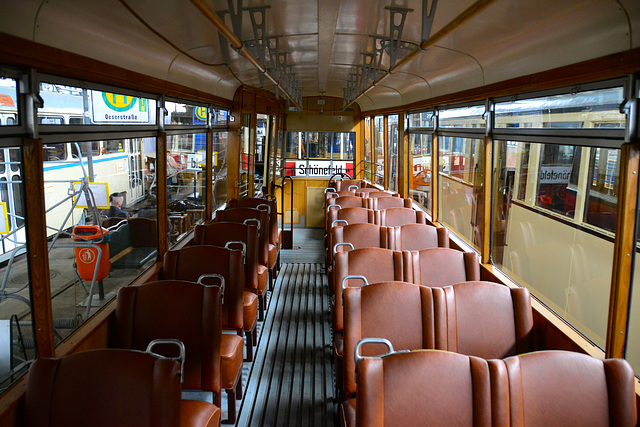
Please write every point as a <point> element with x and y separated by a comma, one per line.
<point>415,237</point>
<point>383,194</point>
<point>343,202</point>
<point>344,184</point>
<point>364,192</point>
<point>393,217</point>
<point>360,236</point>
<point>483,319</point>
<point>437,267</point>
<point>103,388</point>
<point>351,215</point>
<point>241,215</point>
<point>174,309</point>
<point>143,232</point>
<point>381,203</point>
<point>428,387</point>
<point>561,388</point>
<point>375,264</point>
<point>194,261</point>
<point>220,233</point>
<point>390,310</point>
<point>256,202</point>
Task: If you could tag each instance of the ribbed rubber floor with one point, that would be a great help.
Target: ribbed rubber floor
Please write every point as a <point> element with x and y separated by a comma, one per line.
<point>291,382</point>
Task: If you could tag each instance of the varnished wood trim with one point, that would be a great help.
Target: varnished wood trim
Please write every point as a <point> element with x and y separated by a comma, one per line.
<point>37,248</point>
<point>623,251</point>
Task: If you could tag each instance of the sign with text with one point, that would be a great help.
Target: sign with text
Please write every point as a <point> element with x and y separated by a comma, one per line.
<point>555,174</point>
<point>317,168</point>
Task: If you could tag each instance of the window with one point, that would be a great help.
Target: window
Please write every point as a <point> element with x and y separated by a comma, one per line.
<point>589,109</point>
<point>186,177</point>
<point>311,154</point>
<point>392,152</point>
<point>16,332</point>
<point>95,228</point>
<point>556,239</point>
<point>461,175</point>
<point>378,150</point>
<point>420,130</point>
<point>8,102</point>
<point>69,105</point>
<point>367,150</point>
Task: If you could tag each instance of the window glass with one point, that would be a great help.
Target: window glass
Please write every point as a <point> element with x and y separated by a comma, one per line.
<point>392,152</point>
<point>461,174</point>
<point>68,105</point>
<point>245,142</point>
<point>378,150</point>
<point>420,154</point>
<point>420,120</point>
<point>564,259</point>
<point>184,114</point>
<point>94,227</point>
<point>367,149</point>
<point>315,154</point>
<point>17,347</point>
<point>262,149</point>
<point>220,142</point>
<point>220,117</point>
<point>186,177</point>
<point>465,117</point>
<point>589,109</point>
<point>8,102</point>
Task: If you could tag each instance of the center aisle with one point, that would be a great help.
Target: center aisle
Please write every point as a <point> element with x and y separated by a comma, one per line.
<point>291,382</point>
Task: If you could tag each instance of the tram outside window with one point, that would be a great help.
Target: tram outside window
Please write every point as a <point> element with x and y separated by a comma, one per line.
<point>562,248</point>
<point>118,178</point>
<point>17,340</point>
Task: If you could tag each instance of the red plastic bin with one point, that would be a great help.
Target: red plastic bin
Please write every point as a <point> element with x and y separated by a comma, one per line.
<point>86,257</point>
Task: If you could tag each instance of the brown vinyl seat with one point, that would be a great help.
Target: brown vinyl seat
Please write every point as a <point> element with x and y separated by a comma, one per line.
<point>354,236</point>
<point>111,387</point>
<point>255,274</point>
<point>415,237</point>
<point>424,388</point>
<point>275,233</point>
<point>393,217</point>
<point>175,309</point>
<point>444,266</point>
<point>346,216</point>
<point>191,263</point>
<point>374,265</point>
<point>381,203</point>
<point>242,215</point>
<point>562,388</point>
<point>481,319</point>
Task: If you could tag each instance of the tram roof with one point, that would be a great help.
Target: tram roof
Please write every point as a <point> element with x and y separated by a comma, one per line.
<point>324,41</point>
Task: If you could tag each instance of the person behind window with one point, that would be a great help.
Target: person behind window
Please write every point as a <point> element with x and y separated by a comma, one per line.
<point>114,211</point>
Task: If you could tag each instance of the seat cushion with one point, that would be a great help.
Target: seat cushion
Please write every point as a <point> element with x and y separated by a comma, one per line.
<point>231,347</point>
<point>250,310</point>
<point>196,413</point>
